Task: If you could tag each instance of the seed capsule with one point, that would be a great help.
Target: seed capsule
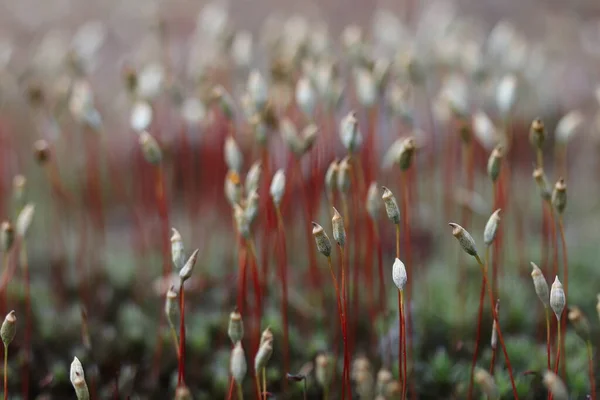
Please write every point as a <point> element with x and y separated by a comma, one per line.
<point>7,236</point>
<point>263,355</point>
<point>323,370</point>
<point>306,97</point>
<point>487,384</point>
<point>406,153</point>
<point>557,298</point>
<point>277,188</point>
<point>542,183</point>
<point>241,221</point>
<point>41,151</point>
<point>568,126</point>
<point>331,178</point>
<point>253,178</point>
<point>339,233</point>
<point>391,206</point>
<point>9,328</point>
<point>350,134</point>
<point>540,285</point>
<point>177,251</point>
<point>322,240</point>
<point>235,330</point>
<point>537,134</point>
<point>399,274</point>
<point>150,148</point>
<point>77,377</point>
<point>491,228</point>
<point>579,322</point>
<point>183,393</point>
<point>258,89</point>
<point>171,306</point>
<point>559,196</point>
<point>233,187</point>
<point>266,336</point>
<point>343,176</point>
<point>464,238</point>
<point>251,210</point>
<point>233,155</point>
<point>384,377</point>
<point>372,204</point>
<point>366,89</point>
<point>238,366</point>
<point>495,163</point>
<point>555,386</point>
<point>186,272</point>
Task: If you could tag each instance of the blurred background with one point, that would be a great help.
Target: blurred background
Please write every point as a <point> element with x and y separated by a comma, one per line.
<point>83,82</point>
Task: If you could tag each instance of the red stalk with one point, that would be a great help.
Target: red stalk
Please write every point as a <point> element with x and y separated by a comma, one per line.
<point>181,359</point>
<point>284,299</point>
<point>563,242</point>
<point>478,338</point>
<point>340,312</point>
<point>408,257</point>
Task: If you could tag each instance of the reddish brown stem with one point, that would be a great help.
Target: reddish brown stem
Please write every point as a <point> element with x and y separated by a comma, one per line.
<point>284,287</point>
<point>477,339</point>
<point>28,321</point>
<point>563,242</point>
<point>340,312</point>
<point>181,363</point>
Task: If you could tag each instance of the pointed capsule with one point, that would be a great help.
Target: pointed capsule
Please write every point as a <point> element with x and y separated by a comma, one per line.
<point>241,221</point>
<point>252,204</point>
<point>24,220</point>
<point>258,89</point>
<point>406,153</point>
<point>235,329</point>
<point>568,126</point>
<point>289,134</point>
<point>77,378</point>
<point>233,188</point>
<point>373,204</point>
<point>238,367</point>
<point>7,236</point>
<point>266,336</point>
<point>265,351</point>
<point>177,251</point>
<point>495,163</point>
<point>555,386</point>
<point>277,188</point>
<point>322,240</point>
<point>399,274</point>
<point>331,178</point>
<point>366,88</point>
<point>540,285</point>
<point>542,183</point>
<point>506,93</point>
<point>464,239</point>
<point>391,206</point>
<point>306,96</point>
<point>323,370</point>
<point>171,305</point>
<point>339,233</point>
<point>253,178</point>
<point>559,196</point>
<point>579,322</point>
<point>186,272</point>
<point>486,383</point>
<point>491,228</point>
<point>182,392</point>
<point>233,155</point>
<point>343,176</point>
<point>19,186</point>
<point>350,134</point>
<point>140,118</point>
<point>309,137</point>
<point>9,328</point>
<point>150,148</point>
<point>537,134</point>
<point>494,339</point>
<point>557,298</point>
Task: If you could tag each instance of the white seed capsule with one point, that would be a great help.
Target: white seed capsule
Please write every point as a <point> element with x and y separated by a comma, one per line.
<point>491,228</point>
<point>309,137</point>
<point>258,89</point>
<point>277,188</point>
<point>407,150</point>
<point>186,272</point>
<point>263,356</point>
<point>559,196</point>
<point>339,233</point>
<point>177,251</point>
<point>331,178</point>
<point>350,134</point>
<point>391,206</point>
<point>24,220</point>
<point>306,97</point>
<point>252,204</point>
<point>77,377</point>
<point>253,178</point>
<point>141,116</point>
<point>171,306</point>
<point>9,328</point>
<point>323,370</point>
<point>555,386</point>
<point>542,184</point>
<point>233,155</point>
<point>372,204</point>
<point>238,367</point>
<point>235,329</point>
<point>494,340</point>
<point>506,93</point>
<point>557,298</point>
<point>487,384</point>
<point>343,176</point>
<point>464,238</point>
<point>150,148</point>
<point>399,274</point>
<point>384,377</point>
<point>579,322</point>
<point>540,285</point>
<point>366,89</point>
<point>233,188</point>
<point>568,126</point>
<point>266,336</point>
<point>289,134</point>
<point>322,240</point>
<point>241,221</point>
<point>495,163</point>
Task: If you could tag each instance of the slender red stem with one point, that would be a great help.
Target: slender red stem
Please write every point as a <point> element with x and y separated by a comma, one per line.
<point>563,242</point>
<point>181,363</point>
<point>478,338</point>
<point>591,367</point>
<point>284,287</point>
<point>340,310</point>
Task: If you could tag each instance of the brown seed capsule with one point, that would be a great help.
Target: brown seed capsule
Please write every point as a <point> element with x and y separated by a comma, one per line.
<point>406,153</point>
<point>41,151</point>
<point>339,233</point>
<point>491,228</point>
<point>238,367</point>
<point>235,330</point>
<point>322,240</point>
<point>186,272</point>
<point>464,238</point>
<point>391,206</point>
<point>557,298</point>
<point>495,163</point>
<point>487,384</point>
<point>537,134</point>
<point>323,370</point>
<point>579,322</point>
<point>7,236</point>
<point>542,183</point>
<point>555,386</point>
<point>559,196</point>
<point>540,285</point>
<point>150,148</point>
<point>8,328</point>
<point>131,79</point>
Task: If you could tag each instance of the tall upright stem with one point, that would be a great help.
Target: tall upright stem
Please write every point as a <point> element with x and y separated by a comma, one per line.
<point>478,337</point>
<point>561,228</point>
<point>28,322</point>
<point>591,367</point>
<point>181,365</point>
<point>346,370</point>
<point>548,337</point>
<point>284,300</point>
<point>498,329</point>
<point>5,372</point>
<point>340,312</point>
